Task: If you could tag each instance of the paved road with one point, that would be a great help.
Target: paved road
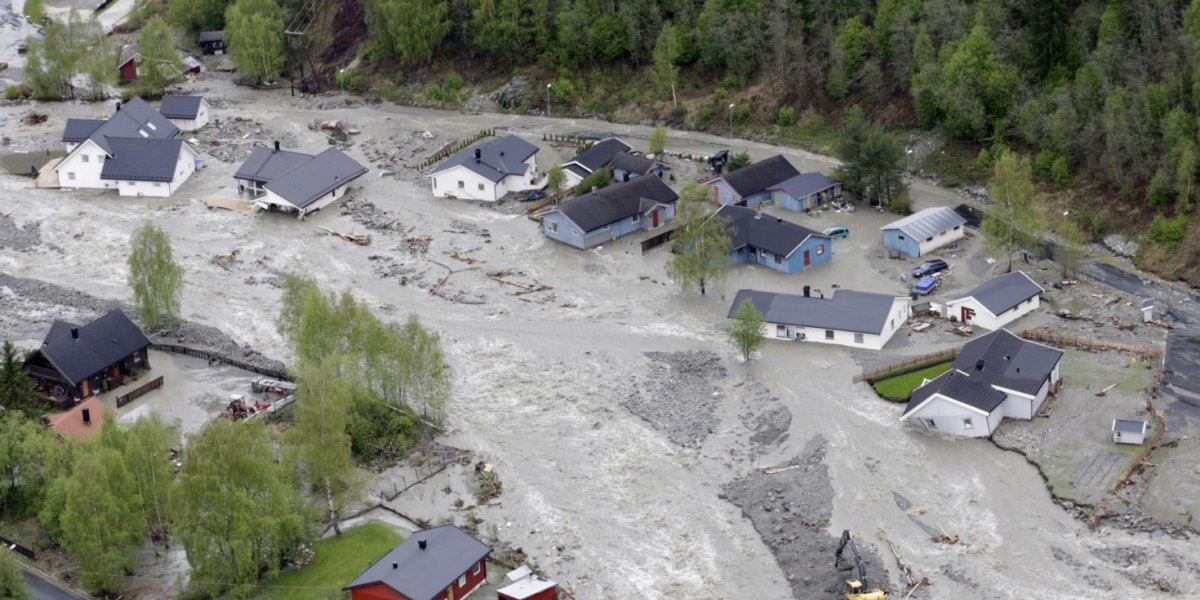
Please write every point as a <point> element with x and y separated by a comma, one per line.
<point>44,589</point>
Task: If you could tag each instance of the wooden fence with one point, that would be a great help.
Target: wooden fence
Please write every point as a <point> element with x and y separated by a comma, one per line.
<point>15,547</point>
<point>547,201</point>
<point>1160,429</point>
<point>214,357</point>
<point>1054,339</point>
<point>907,365</point>
<point>142,390</point>
<point>581,142</point>
<point>455,146</point>
<point>658,240</point>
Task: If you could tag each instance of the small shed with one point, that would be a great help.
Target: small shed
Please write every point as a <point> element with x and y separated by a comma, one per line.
<point>1147,310</point>
<point>211,42</point>
<point>920,233</point>
<point>522,584</point>
<point>1127,431</point>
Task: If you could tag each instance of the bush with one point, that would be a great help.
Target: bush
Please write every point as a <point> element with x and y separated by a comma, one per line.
<point>1093,223</point>
<point>738,161</point>
<point>377,431</point>
<point>900,204</point>
<point>35,11</point>
<point>596,180</point>
<point>787,117</point>
<point>741,113</point>
<point>1043,162</point>
<point>1159,193</point>
<point>1168,232</point>
<point>17,92</point>
<point>453,82</point>
<point>1060,171</point>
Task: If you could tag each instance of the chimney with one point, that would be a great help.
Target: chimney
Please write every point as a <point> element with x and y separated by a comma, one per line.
<point>396,565</point>
<point>87,416</point>
<point>478,154</point>
<point>422,544</point>
<point>779,219</point>
<point>277,145</point>
<point>979,365</point>
<point>74,333</point>
<point>501,153</point>
<point>807,291</point>
<point>118,106</point>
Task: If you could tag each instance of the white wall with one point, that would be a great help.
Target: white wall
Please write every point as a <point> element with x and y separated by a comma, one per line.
<point>446,184</point>
<point>327,199</point>
<point>948,417</point>
<point>897,316</point>
<point>942,239</point>
<point>193,124</point>
<point>87,174</point>
<point>984,318</point>
<point>185,165</point>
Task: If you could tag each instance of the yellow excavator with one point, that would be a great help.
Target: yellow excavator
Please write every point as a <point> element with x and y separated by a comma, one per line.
<point>856,589</point>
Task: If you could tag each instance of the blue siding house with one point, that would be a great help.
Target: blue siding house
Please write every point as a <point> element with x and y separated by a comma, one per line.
<point>594,218</point>
<point>751,185</point>
<point>923,232</point>
<point>805,191</point>
<point>628,166</point>
<point>773,242</point>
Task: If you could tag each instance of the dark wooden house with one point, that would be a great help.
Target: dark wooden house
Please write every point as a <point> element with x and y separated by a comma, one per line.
<point>76,362</point>
<point>211,42</point>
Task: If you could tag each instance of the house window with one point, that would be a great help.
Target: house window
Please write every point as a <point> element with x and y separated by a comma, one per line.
<point>821,250</point>
<point>71,176</point>
<point>157,184</point>
<point>930,423</point>
<point>461,185</point>
<point>85,158</point>
<point>435,183</point>
<point>900,237</point>
<point>477,568</point>
<point>636,217</point>
<point>829,334</point>
<point>99,158</point>
<point>143,133</point>
<point>858,338</point>
<point>481,187</point>
<point>462,581</point>
<point>605,228</point>
<point>778,259</point>
<point>551,226</point>
<point>968,423</point>
<point>957,227</point>
<point>929,239</point>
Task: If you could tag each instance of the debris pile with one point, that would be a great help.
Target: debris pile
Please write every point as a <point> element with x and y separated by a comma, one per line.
<point>231,140</point>
<point>400,153</point>
<point>679,395</point>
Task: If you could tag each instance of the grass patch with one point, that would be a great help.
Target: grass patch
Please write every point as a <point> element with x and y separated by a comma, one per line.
<point>336,561</point>
<point>898,388</point>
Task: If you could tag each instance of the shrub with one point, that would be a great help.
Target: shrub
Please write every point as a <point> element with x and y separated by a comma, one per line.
<point>453,81</point>
<point>741,113</point>
<point>1043,162</point>
<point>900,204</point>
<point>787,116</point>
<point>1168,231</point>
<point>738,161</point>
<point>17,92</point>
<point>1159,193</point>
<point>1060,171</point>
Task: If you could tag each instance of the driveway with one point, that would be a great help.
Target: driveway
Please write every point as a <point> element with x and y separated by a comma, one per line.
<point>45,589</point>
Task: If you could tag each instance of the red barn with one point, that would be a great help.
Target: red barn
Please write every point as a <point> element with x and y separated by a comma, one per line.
<point>524,585</point>
<point>442,563</point>
<point>128,62</point>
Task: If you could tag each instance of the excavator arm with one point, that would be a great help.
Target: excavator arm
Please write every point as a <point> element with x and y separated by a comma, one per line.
<point>856,586</point>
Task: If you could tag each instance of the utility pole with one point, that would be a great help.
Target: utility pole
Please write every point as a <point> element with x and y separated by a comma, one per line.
<point>731,120</point>
<point>548,99</point>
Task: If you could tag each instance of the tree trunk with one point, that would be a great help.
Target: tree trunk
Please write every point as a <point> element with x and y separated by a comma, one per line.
<point>333,516</point>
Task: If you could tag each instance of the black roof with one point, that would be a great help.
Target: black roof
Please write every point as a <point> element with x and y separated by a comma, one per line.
<point>961,387</point>
<point>422,574</point>
<point>318,176</point>
<point>180,107</point>
<point>600,154</point>
<point>845,310</point>
<point>1005,292</point>
<point>100,344</point>
<point>761,175</point>
<point>1008,361</point>
<point>632,163</point>
<point>615,202</point>
<point>136,159</point>
<point>748,227</point>
<point>265,164</point>
<point>78,130</point>
<point>497,158</point>
<point>1128,426</point>
<point>134,119</point>
<point>210,36</point>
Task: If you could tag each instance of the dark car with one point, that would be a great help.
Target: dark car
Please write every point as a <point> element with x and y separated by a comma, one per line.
<point>930,267</point>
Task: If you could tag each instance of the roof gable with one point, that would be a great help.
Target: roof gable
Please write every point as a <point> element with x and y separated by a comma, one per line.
<point>421,574</point>
<point>99,344</point>
<point>616,202</point>
<point>633,163</point>
<point>759,176</point>
<point>600,154</point>
<point>749,227</point>
<point>135,119</point>
<point>78,130</point>
<point>845,310</point>
<point>927,223</point>
<point>804,184</point>
<point>496,160</point>
<point>1001,359</point>
<point>1005,292</point>
<point>955,386</point>
<point>265,164</point>
<point>180,107</point>
<point>321,174</point>
<point>135,159</point>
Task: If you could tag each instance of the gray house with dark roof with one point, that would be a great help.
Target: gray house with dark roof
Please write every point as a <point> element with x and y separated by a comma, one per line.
<point>188,113</point>
<point>488,171</point>
<point>596,157</point>
<point>997,302</point>
<point>772,241</point>
<point>994,376</point>
<point>594,218</point>
<point>751,185</point>
<point>846,318</point>
<point>77,361</point>
<point>312,184</point>
<point>265,164</point>
<point>442,563</point>
<point>149,158</point>
<point>804,192</point>
<point>626,166</point>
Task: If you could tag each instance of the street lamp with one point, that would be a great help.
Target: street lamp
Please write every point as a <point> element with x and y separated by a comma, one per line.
<point>548,99</point>
<point>731,120</point>
<point>342,83</point>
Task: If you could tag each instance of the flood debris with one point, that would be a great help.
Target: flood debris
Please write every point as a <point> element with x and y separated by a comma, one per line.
<point>361,240</point>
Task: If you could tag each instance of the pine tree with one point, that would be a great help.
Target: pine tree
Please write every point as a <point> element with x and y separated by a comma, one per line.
<point>16,388</point>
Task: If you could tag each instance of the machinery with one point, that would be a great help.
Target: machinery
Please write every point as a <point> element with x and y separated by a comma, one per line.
<point>856,589</point>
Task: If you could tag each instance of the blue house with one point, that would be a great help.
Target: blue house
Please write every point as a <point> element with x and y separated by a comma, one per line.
<point>606,214</point>
<point>596,157</point>
<point>628,166</point>
<point>805,191</point>
<point>751,185</point>
<point>773,242</point>
<point>923,232</point>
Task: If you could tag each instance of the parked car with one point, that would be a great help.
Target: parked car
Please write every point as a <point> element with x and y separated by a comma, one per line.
<point>837,231</point>
<point>930,267</point>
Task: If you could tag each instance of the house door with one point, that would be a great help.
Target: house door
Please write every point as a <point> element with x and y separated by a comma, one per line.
<point>967,314</point>
<point>84,387</point>
<point>807,259</point>
<point>654,218</point>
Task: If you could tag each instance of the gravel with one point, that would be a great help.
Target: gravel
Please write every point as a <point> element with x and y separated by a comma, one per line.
<point>679,396</point>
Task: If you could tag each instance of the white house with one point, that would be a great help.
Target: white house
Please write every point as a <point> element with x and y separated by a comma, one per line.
<point>311,185</point>
<point>489,171</point>
<point>995,376</point>
<point>996,303</point>
<point>1129,432</point>
<point>924,231</point>
<point>188,113</point>
<point>149,167</point>
<point>598,156</point>
<point>847,318</point>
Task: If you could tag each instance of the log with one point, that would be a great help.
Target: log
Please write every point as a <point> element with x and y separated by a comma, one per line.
<point>1105,391</point>
<point>361,240</point>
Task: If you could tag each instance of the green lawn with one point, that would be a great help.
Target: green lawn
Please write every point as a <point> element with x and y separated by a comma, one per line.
<point>899,387</point>
<point>337,561</point>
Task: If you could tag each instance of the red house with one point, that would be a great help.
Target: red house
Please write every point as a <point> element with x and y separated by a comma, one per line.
<point>442,563</point>
<point>128,61</point>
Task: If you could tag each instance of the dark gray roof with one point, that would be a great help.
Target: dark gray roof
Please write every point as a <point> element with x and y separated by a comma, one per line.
<point>1005,291</point>
<point>578,170</point>
<point>128,52</point>
<point>1009,362</point>
<point>498,158</point>
<point>142,159</point>
<point>57,330</point>
<point>423,574</point>
<point>805,184</point>
<point>927,223</point>
<point>265,164</point>
<point>210,36</point>
<point>633,163</point>
<point>600,154</point>
<point>845,310</point>
<point>180,107</point>
<point>615,202</point>
<point>960,387</point>
<point>747,227</point>
<point>101,343</point>
<point>1127,426</point>
<point>761,175</point>
<point>134,119</point>
<point>78,130</point>
<point>307,182</point>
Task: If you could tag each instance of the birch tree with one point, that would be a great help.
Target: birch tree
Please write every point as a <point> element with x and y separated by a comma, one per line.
<point>746,332</point>
<point>100,525</point>
<point>702,243</point>
<point>665,53</point>
<point>319,443</point>
<point>147,444</point>
<point>255,30</point>
<point>1011,223</point>
<point>12,581</point>
<point>154,276</point>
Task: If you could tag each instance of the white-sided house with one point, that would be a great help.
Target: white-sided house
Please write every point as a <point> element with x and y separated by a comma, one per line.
<point>489,171</point>
<point>188,113</point>
<point>597,157</point>
<point>264,165</point>
<point>847,318</point>
<point>995,376</point>
<point>996,303</point>
<point>149,167</point>
<point>89,151</point>
<point>598,217</point>
<point>312,185</point>
<point>924,231</point>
